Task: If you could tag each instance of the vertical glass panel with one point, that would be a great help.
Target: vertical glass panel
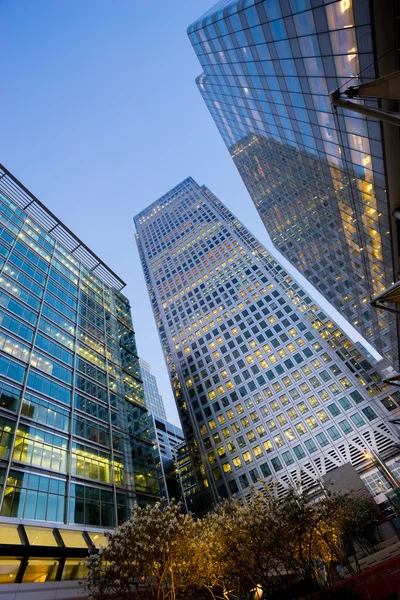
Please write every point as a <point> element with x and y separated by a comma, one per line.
<point>340,14</point>
<point>40,536</point>
<point>73,570</point>
<point>8,570</point>
<point>347,66</point>
<point>73,539</point>
<point>344,41</point>
<point>40,570</point>
<point>98,539</point>
<point>9,534</point>
<point>304,23</point>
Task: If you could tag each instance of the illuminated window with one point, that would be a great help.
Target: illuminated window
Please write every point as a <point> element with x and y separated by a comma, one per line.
<point>251,436</point>
<point>245,422</point>
<point>311,422</point>
<point>237,462</point>
<point>281,419</point>
<point>300,428</point>
<point>274,405</point>
<point>268,446</point>
<point>322,416</point>
<point>247,457</point>
<point>257,451</point>
<point>289,433</point>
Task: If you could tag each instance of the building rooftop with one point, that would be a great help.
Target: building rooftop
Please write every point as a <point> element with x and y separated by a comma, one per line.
<point>24,199</point>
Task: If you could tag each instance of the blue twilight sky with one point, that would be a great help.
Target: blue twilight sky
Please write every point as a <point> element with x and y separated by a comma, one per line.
<point>100,116</point>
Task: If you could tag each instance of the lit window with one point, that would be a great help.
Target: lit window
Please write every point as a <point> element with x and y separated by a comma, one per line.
<point>268,446</point>
<point>300,428</point>
<point>289,433</point>
<point>311,422</point>
<point>237,462</point>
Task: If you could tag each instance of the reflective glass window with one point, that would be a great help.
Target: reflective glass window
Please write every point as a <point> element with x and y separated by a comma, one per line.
<point>40,570</point>
<point>9,534</point>
<point>8,570</point>
<point>73,539</point>
<point>40,536</point>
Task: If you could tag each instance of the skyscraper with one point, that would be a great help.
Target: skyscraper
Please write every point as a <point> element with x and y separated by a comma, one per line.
<point>325,185</point>
<point>76,447</point>
<point>266,384</point>
<point>153,398</point>
<point>167,435</point>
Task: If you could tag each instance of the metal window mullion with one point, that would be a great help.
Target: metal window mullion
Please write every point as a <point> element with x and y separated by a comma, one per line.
<point>72,410</point>
<point>109,409</point>
<point>23,391</point>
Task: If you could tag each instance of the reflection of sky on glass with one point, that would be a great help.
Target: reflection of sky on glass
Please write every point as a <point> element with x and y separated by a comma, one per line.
<point>101,116</point>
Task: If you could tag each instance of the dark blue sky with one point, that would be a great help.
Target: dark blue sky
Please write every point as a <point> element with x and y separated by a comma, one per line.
<point>100,116</point>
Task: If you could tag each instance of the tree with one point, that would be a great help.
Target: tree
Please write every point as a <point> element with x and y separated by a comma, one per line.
<point>152,555</point>
<point>263,543</point>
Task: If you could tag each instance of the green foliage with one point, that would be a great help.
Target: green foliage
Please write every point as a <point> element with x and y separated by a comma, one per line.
<point>264,544</point>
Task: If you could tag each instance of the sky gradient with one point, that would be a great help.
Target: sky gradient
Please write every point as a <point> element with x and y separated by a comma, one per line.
<point>101,116</point>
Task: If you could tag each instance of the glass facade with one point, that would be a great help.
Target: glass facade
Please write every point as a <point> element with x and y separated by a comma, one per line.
<point>266,385</point>
<point>44,554</point>
<point>167,435</point>
<point>75,436</point>
<point>152,397</point>
<point>318,180</point>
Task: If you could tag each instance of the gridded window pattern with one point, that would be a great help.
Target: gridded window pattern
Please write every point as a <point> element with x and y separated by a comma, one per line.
<point>266,383</point>
<point>316,179</point>
<point>66,344</point>
<point>152,397</point>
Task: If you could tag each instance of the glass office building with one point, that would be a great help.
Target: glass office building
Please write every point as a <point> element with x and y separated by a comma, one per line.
<point>76,446</point>
<point>152,397</point>
<point>266,385</point>
<point>167,435</point>
<point>325,185</point>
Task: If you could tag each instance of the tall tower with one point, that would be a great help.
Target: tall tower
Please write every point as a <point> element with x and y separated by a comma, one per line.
<point>266,385</point>
<point>153,398</point>
<point>325,185</point>
<point>75,444</point>
<point>167,435</point>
